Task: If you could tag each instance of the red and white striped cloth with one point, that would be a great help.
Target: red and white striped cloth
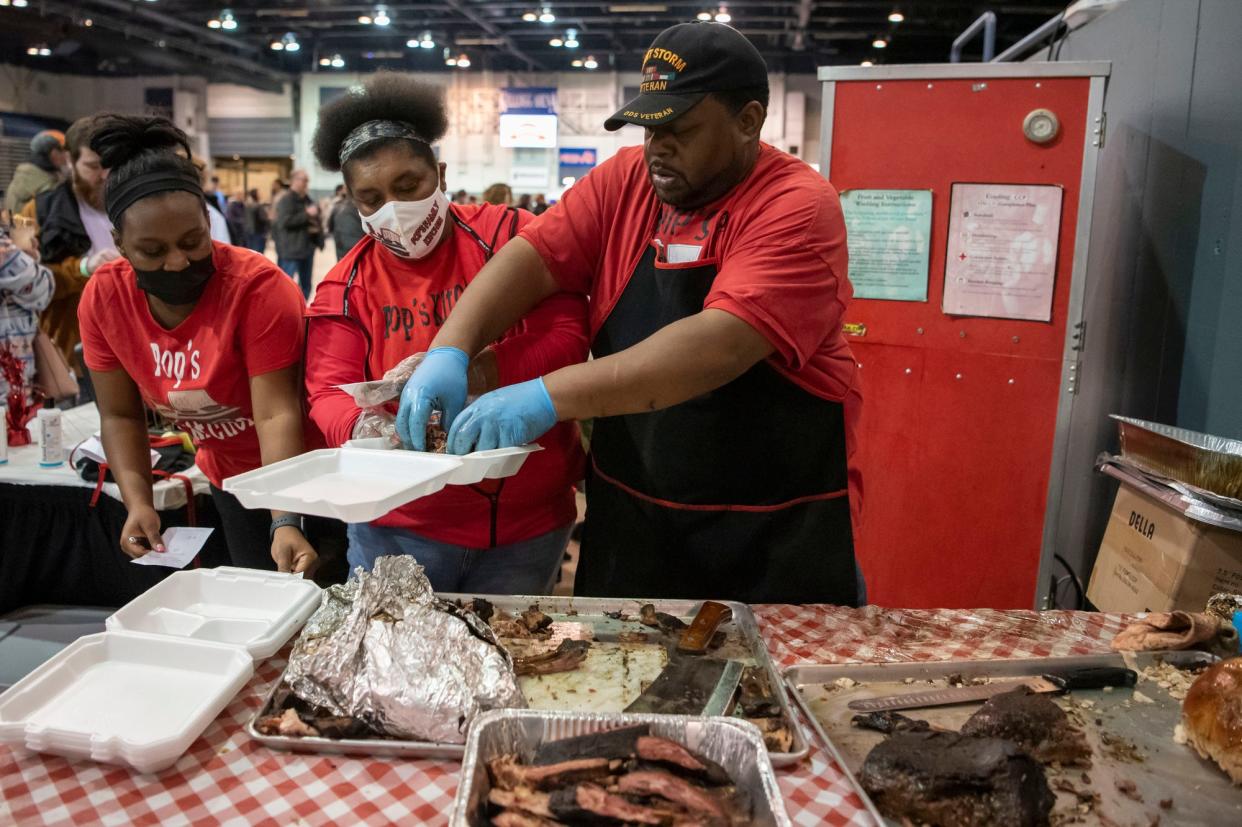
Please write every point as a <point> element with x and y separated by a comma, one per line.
<point>227,779</point>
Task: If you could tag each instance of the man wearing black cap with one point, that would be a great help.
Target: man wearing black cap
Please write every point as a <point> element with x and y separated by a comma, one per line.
<point>722,389</point>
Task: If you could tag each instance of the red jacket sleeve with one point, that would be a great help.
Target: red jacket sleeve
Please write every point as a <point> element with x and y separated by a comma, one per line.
<point>551,336</point>
<point>336,353</point>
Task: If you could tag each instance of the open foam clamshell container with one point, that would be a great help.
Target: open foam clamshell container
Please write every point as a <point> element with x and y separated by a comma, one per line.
<point>142,692</point>
<point>360,484</point>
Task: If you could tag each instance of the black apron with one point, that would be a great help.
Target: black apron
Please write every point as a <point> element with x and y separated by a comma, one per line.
<point>739,494</point>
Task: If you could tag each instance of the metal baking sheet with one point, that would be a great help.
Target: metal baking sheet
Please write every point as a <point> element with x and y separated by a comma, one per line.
<point>1141,734</point>
<point>735,745</point>
<point>743,643</point>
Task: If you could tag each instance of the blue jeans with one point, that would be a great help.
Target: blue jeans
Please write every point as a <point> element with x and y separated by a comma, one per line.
<point>303,269</point>
<point>257,242</point>
<point>528,567</point>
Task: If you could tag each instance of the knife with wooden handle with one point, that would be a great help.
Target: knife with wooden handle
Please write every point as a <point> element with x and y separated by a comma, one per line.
<point>1053,683</point>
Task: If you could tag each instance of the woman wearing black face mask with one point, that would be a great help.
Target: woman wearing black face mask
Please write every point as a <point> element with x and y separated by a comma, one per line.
<point>207,334</point>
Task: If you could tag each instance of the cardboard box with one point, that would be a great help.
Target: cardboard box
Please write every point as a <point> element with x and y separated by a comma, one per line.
<point>1155,559</point>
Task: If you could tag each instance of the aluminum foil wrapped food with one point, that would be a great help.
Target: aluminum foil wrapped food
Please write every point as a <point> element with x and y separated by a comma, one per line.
<point>384,649</point>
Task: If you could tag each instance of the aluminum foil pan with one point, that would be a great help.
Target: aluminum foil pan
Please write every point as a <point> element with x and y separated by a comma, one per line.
<point>735,745</point>
<point>1211,463</point>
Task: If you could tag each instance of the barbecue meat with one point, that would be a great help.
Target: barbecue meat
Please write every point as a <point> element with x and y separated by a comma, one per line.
<point>648,616</point>
<point>522,799</point>
<point>942,778</point>
<point>287,723</point>
<point>508,773</point>
<point>567,656</point>
<point>663,751</point>
<point>671,788</point>
<point>437,437</point>
<point>1033,722</point>
<point>590,802</point>
<point>615,743</point>
<point>888,722</point>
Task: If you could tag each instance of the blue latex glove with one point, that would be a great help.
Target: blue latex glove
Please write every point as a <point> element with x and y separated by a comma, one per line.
<point>439,382</point>
<point>514,415</point>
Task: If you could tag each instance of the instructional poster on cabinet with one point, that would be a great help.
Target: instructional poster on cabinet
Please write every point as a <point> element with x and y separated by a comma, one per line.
<point>888,233</point>
<point>1001,255</point>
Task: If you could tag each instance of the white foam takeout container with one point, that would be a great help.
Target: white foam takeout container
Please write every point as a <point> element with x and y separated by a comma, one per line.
<point>363,481</point>
<point>142,692</point>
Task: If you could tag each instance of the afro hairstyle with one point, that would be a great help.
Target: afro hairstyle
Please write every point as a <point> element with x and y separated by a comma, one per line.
<point>384,96</point>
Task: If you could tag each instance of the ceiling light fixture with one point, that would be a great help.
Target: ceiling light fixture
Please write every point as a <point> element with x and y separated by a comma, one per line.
<point>571,38</point>
<point>213,23</point>
<point>530,17</point>
<point>365,19</point>
<point>227,21</point>
<point>705,16</point>
<point>723,15</point>
<point>426,41</point>
<point>19,4</point>
<point>381,16</point>
<point>546,16</point>
<point>556,42</point>
<point>896,16</point>
<point>866,63</point>
<point>277,46</point>
<point>880,43</point>
<point>449,58</point>
<point>88,22</point>
<point>291,43</point>
<point>590,62</point>
<point>577,63</point>
<point>338,62</point>
<point>463,62</point>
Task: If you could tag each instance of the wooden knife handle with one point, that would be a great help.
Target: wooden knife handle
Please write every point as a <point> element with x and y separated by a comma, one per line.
<point>706,621</point>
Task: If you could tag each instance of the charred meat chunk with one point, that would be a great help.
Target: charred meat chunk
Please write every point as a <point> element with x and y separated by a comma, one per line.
<point>671,788</point>
<point>663,751</point>
<point>888,722</point>
<point>535,620</point>
<point>615,743</point>
<point>943,778</point>
<point>566,657</point>
<point>648,616</point>
<point>437,437</point>
<point>590,802</point>
<point>288,723</point>
<point>1033,722</point>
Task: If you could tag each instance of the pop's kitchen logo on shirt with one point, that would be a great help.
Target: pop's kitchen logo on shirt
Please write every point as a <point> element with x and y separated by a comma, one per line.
<point>193,409</point>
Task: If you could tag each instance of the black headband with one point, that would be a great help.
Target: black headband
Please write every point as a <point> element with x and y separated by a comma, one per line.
<point>376,130</point>
<point>118,199</point>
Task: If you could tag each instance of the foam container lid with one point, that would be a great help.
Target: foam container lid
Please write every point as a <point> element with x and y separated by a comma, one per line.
<point>361,484</point>
<point>253,609</point>
<point>124,698</point>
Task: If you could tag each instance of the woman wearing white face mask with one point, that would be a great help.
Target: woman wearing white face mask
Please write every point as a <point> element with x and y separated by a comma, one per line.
<point>387,299</point>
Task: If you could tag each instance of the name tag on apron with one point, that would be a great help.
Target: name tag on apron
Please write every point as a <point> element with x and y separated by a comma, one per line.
<point>682,253</point>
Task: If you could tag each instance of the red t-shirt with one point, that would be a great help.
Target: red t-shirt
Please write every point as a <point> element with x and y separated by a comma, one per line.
<point>781,257</point>
<point>248,322</point>
<point>396,308</point>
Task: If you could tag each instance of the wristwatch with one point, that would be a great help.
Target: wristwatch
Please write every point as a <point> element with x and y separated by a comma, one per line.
<point>295,520</point>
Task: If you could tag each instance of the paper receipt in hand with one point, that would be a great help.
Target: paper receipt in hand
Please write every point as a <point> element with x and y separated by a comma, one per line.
<point>181,544</point>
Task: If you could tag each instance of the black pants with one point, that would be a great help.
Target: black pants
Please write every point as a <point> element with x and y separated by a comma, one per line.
<point>247,534</point>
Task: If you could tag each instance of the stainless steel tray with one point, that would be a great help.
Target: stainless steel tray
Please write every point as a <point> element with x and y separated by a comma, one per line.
<point>735,745</point>
<point>1200,792</point>
<point>743,643</point>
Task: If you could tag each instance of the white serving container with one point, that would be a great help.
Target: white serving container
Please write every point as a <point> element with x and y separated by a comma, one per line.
<point>142,692</point>
<point>257,610</point>
<point>360,484</point>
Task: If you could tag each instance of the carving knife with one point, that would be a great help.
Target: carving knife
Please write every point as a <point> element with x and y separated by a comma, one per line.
<point>1091,677</point>
<point>692,684</point>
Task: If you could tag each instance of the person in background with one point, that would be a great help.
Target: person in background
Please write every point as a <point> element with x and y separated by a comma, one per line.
<point>498,194</point>
<point>279,188</point>
<point>214,196</point>
<point>75,235</point>
<point>461,198</point>
<point>345,224</point>
<point>26,288</point>
<point>235,214</point>
<point>215,215</point>
<point>296,231</point>
<point>524,202</point>
<point>256,223</point>
<point>541,205</point>
<point>207,334</point>
<point>384,302</point>
<point>47,167</point>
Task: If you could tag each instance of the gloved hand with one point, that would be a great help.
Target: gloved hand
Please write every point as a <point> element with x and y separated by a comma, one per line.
<point>513,415</point>
<point>440,383</point>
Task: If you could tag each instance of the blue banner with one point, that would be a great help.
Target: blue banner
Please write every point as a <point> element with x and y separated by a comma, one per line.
<point>577,157</point>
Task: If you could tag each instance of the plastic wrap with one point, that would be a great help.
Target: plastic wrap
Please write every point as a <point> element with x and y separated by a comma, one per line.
<point>379,391</point>
<point>384,649</point>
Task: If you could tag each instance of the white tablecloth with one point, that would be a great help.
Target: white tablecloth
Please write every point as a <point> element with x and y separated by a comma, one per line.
<point>79,424</point>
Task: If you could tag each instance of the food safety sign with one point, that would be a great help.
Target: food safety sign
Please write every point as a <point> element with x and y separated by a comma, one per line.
<point>1001,255</point>
<point>888,232</point>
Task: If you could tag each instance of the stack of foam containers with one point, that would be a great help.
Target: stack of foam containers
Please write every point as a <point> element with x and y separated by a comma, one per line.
<point>141,693</point>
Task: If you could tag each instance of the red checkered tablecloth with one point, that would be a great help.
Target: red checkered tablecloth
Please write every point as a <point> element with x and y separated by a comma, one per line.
<point>227,779</point>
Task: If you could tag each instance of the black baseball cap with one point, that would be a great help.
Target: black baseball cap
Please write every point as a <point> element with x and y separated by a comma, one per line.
<point>685,63</point>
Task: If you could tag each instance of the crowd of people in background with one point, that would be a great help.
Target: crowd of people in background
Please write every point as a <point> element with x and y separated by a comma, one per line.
<point>54,233</point>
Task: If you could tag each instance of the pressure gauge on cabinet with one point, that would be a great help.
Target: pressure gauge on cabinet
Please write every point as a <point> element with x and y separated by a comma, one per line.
<point>1041,126</point>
